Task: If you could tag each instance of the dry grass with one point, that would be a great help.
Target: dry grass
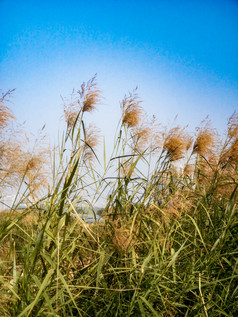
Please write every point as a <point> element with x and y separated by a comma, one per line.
<point>205,140</point>
<point>131,110</point>
<point>188,170</point>
<point>233,126</point>
<point>5,113</point>
<point>167,245</point>
<point>146,135</point>
<point>18,163</point>
<point>141,137</point>
<point>90,94</point>
<point>70,114</point>
<point>85,100</point>
<point>229,155</point>
<point>121,238</point>
<point>176,143</point>
<point>92,139</point>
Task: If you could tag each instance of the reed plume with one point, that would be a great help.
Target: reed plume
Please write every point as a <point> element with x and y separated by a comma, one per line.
<point>17,164</point>
<point>85,100</point>
<point>90,95</point>
<point>140,137</point>
<point>131,110</point>
<point>146,135</point>
<point>188,170</point>
<point>36,176</point>
<point>5,113</point>
<point>176,143</point>
<point>127,168</point>
<point>233,152</point>
<point>70,113</point>
<point>8,146</point>
<point>121,236</point>
<point>9,167</point>
<point>205,140</point>
<point>92,135</point>
<point>229,153</point>
<point>233,126</point>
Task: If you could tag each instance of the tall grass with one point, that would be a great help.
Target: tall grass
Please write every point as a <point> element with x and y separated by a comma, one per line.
<point>167,242</point>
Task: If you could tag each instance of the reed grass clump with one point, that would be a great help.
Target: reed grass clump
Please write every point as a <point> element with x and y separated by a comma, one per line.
<point>21,164</point>
<point>165,242</point>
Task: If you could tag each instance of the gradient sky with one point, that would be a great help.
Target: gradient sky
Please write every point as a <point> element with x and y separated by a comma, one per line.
<point>182,55</point>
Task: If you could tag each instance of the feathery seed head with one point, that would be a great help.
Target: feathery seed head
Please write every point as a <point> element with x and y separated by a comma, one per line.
<point>5,113</point>
<point>141,136</point>
<point>146,135</point>
<point>92,134</point>
<point>175,143</point>
<point>122,238</point>
<point>127,169</point>
<point>188,170</point>
<point>231,155</point>
<point>70,115</point>
<point>85,100</point>
<point>90,95</point>
<point>205,140</point>
<point>131,110</point>
<point>233,125</point>
<point>230,151</point>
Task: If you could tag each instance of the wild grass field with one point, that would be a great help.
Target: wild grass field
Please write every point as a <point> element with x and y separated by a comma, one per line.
<point>167,240</point>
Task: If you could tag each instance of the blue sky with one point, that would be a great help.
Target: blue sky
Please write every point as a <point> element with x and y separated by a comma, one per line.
<point>182,55</point>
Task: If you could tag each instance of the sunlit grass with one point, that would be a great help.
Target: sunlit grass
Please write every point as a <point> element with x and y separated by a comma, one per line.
<point>166,244</point>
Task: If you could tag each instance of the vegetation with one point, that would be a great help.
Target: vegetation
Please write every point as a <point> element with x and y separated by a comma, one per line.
<point>167,242</point>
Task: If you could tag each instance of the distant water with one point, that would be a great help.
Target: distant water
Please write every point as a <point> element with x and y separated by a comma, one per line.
<point>90,216</point>
<point>87,216</point>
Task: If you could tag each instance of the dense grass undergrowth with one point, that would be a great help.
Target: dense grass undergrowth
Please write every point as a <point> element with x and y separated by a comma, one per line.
<point>167,242</point>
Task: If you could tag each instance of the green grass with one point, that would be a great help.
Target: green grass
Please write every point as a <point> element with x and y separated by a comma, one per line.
<point>168,242</point>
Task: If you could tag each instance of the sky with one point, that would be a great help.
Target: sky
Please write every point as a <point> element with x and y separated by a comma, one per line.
<point>182,55</point>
